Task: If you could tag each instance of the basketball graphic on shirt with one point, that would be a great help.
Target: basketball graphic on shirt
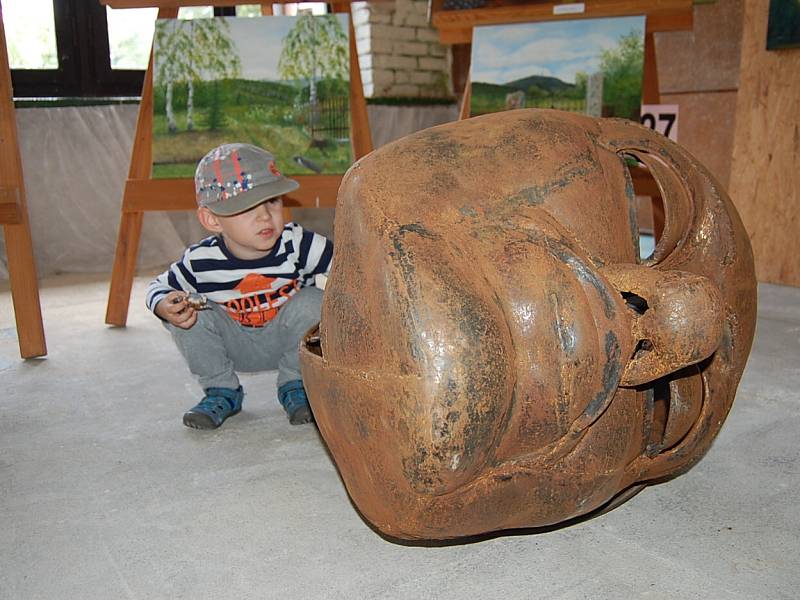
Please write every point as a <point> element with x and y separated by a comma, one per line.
<point>254,283</point>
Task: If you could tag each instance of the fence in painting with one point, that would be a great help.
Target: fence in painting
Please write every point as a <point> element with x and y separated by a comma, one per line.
<point>578,105</point>
<point>329,119</point>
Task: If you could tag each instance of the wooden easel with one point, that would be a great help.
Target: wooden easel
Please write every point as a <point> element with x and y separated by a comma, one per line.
<point>455,27</point>
<point>145,194</point>
<point>14,218</point>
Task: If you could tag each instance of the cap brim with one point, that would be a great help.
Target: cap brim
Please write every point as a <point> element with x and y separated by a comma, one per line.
<point>250,198</point>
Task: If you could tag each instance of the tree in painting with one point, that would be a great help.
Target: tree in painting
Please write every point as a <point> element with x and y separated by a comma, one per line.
<point>188,51</point>
<point>172,64</point>
<point>622,75</point>
<point>315,48</point>
<point>213,56</point>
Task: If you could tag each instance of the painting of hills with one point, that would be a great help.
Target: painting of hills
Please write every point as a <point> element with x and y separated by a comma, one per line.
<point>559,64</point>
<point>281,83</point>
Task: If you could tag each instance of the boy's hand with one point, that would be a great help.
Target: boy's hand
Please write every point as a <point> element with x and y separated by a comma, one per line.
<point>176,310</point>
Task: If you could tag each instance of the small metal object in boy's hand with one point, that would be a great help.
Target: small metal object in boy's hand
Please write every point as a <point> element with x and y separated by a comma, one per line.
<point>197,301</point>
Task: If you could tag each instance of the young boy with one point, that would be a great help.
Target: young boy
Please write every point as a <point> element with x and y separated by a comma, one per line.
<point>257,274</point>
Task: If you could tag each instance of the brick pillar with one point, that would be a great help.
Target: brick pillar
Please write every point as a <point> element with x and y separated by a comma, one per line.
<point>399,51</point>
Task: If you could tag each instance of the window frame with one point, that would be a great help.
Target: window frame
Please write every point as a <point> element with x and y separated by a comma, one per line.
<point>82,46</point>
<point>84,59</point>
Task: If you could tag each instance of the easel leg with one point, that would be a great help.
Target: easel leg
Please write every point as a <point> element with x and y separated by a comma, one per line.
<point>130,223</point>
<point>650,88</point>
<point>119,295</point>
<point>19,245</point>
<point>24,290</point>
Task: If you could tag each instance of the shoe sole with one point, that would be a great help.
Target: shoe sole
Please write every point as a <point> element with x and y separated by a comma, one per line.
<point>201,421</point>
<point>301,417</point>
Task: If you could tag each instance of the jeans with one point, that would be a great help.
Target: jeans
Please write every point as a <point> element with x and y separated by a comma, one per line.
<point>216,346</point>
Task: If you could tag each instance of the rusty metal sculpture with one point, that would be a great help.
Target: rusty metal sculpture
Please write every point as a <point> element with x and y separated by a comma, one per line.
<point>493,354</point>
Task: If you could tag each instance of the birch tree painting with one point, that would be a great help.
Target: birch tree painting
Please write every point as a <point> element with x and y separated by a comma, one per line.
<point>281,83</point>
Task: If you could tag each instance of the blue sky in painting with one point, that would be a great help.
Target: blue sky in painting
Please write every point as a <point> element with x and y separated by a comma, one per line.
<point>504,53</point>
<point>259,39</point>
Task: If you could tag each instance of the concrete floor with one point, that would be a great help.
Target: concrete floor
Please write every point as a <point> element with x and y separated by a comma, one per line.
<point>105,495</point>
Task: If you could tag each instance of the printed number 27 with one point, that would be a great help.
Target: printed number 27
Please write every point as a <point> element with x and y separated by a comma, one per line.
<point>649,120</point>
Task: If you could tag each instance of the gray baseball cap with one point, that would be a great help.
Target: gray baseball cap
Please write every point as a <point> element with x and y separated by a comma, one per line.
<point>233,178</point>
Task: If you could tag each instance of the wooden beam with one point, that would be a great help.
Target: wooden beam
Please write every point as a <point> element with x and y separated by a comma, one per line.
<point>130,223</point>
<point>16,227</point>
<point>10,213</point>
<point>142,195</point>
<point>455,26</point>
<point>178,3</point>
<point>360,135</point>
<point>650,88</point>
<point>466,101</point>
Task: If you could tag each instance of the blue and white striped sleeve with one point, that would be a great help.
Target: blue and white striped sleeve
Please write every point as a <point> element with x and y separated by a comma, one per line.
<point>314,256</point>
<point>179,277</point>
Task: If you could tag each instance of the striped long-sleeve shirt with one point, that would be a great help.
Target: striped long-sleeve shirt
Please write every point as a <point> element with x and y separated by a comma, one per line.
<point>252,291</point>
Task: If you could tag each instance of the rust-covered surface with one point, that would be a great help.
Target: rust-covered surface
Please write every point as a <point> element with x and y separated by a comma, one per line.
<point>492,354</point>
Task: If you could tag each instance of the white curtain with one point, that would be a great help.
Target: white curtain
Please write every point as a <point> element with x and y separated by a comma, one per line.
<point>75,162</point>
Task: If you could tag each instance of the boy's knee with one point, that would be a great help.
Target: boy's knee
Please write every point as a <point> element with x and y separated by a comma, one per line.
<point>308,299</point>
<point>305,306</point>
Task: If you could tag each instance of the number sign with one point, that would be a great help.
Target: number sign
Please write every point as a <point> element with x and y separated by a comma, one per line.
<point>662,118</point>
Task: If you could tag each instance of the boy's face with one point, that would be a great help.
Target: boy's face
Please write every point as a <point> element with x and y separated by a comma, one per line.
<point>251,234</point>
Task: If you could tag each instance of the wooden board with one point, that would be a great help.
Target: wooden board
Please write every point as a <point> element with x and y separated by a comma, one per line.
<point>178,3</point>
<point>455,26</point>
<point>16,227</point>
<point>130,224</point>
<point>765,177</point>
<point>316,191</point>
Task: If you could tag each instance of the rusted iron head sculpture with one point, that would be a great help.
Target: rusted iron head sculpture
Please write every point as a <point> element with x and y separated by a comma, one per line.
<point>492,352</point>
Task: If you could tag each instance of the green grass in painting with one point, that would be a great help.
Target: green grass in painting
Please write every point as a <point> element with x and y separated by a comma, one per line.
<point>489,97</point>
<point>262,113</point>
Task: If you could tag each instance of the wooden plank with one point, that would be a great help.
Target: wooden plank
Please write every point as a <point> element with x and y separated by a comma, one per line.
<point>359,121</point>
<point>130,226</point>
<point>10,213</point>
<point>455,26</point>
<point>16,227</point>
<point>466,99</point>
<point>765,180</point>
<point>650,92</point>
<point>178,194</point>
<point>178,3</point>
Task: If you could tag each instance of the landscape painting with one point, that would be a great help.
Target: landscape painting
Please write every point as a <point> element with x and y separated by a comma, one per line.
<point>591,66</point>
<point>281,83</point>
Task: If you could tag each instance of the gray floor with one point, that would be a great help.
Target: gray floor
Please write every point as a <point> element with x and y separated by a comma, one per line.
<point>104,494</point>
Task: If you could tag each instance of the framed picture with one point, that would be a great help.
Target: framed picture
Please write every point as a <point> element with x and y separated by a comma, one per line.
<point>281,83</point>
<point>592,66</point>
<point>783,28</point>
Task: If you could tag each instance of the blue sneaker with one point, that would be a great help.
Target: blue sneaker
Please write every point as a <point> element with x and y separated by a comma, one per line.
<point>292,396</point>
<point>217,405</point>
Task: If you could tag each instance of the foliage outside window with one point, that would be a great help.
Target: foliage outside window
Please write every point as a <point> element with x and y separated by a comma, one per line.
<point>81,48</point>
<point>30,34</point>
<point>130,35</point>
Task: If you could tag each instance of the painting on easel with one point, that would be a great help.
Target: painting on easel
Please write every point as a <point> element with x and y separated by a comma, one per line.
<point>591,66</point>
<point>281,83</point>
